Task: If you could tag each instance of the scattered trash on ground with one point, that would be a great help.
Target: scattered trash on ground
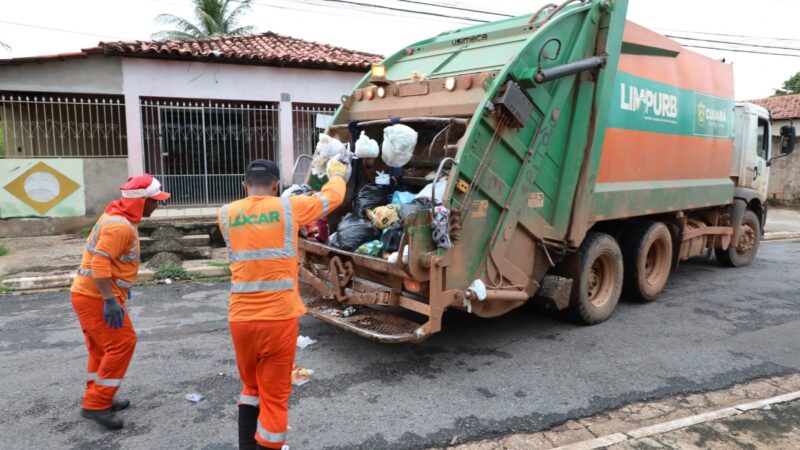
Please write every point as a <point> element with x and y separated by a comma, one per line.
<point>304,341</point>
<point>301,375</point>
<point>195,397</point>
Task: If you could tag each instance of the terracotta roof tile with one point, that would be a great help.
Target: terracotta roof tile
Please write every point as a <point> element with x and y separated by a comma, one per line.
<point>781,107</point>
<point>266,48</point>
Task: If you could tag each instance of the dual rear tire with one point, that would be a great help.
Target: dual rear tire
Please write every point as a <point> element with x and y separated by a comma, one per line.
<point>640,268</point>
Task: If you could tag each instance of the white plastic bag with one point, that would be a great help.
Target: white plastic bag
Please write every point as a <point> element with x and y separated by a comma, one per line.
<point>393,256</point>
<point>383,179</point>
<point>399,142</point>
<point>366,147</point>
<point>329,147</point>
<point>427,191</point>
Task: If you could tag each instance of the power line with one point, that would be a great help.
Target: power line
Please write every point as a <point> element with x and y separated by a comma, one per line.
<point>730,35</point>
<point>411,11</point>
<point>743,51</point>
<point>60,30</point>
<point>456,8</point>
<point>731,42</point>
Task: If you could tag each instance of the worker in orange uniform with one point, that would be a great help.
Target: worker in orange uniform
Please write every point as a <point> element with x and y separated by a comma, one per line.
<point>260,232</point>
<point>107,273</point>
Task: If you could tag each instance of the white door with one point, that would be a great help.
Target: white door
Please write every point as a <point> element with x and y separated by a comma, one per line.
<point>760,171</point>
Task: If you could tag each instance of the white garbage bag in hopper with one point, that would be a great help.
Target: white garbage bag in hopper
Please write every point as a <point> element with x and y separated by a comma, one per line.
<point>398,145</point>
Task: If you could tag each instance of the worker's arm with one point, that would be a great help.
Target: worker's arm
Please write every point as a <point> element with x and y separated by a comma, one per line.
<point>113,240</point>
<point>307,209</point>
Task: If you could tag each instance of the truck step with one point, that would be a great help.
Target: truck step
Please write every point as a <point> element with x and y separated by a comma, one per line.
<point>367,322</point>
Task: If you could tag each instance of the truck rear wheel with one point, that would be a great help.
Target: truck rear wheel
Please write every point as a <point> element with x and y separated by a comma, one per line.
<point>598,283</point>
<point>749,241</point>
<point>647,253</point>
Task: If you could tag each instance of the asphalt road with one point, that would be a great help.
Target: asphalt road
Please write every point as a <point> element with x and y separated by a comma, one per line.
<point>525,371</point>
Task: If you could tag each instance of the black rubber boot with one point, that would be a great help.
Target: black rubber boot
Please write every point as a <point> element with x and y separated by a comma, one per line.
<point>248,421</point>
<point>119,405</point>
<point>104,417</point>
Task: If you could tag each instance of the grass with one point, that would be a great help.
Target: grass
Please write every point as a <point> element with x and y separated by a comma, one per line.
<point>3,250</point>
<point>174,272</point>
<point>4,290</point>
<point>218,264</point>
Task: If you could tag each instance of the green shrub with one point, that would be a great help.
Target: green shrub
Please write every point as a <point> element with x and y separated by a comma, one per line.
<point>172,271</point>
<point>3,250</point>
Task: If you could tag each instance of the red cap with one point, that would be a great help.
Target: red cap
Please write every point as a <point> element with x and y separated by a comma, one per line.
<point>144,186</point>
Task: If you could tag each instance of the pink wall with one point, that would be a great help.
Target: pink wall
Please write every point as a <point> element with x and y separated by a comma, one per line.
<point>182,79</point>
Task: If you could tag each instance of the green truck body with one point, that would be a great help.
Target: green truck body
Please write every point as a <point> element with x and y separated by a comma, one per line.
<point>584,154</point>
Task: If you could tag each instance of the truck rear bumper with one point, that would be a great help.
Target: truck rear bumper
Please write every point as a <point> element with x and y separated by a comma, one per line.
<point>365,296</point>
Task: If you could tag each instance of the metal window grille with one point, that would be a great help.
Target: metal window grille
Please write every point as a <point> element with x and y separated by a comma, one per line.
<point>306,133</point>
<point>53,125</point>
<point>200,148</point>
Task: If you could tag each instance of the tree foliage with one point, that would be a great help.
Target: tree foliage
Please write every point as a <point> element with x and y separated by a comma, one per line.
<point>212,18</point>
<point>790,86</point>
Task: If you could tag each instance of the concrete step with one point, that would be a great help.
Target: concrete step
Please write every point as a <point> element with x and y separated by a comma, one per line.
<point>150,245</point>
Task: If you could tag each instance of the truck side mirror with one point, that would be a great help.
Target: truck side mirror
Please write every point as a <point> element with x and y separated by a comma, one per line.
<point>788,139</point>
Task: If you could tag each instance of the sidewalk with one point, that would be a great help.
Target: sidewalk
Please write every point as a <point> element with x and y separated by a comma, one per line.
<point>761,414</point>
<point>48,262</point>
<point>782,223</point>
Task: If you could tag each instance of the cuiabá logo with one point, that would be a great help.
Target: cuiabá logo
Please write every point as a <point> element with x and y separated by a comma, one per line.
<point>711,115</point>
<point>653,104</point>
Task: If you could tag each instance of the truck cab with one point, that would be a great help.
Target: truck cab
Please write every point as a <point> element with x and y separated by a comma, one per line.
<point>752,148</point>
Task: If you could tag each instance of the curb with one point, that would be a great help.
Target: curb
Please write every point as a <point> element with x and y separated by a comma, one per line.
<point>65,281</point>
<point>677,424</point>
<point>778,235</point>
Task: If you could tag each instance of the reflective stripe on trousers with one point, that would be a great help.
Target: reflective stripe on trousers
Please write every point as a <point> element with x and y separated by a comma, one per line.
<point>269,436</point>
<point>110,382</point>
<point>248,400</point>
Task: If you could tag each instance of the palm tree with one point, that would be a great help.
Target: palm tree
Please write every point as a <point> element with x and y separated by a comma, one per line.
<point>214,18</point>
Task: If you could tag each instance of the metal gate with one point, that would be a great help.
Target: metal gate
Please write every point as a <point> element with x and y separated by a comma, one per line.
<point>200,148</point>
<point>306,132</point>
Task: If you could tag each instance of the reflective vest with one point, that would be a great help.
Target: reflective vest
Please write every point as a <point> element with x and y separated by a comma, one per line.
<point>124,267</point>
<point>261,236</point>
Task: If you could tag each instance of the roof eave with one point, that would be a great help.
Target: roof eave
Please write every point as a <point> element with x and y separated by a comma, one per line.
<point>238,61</point>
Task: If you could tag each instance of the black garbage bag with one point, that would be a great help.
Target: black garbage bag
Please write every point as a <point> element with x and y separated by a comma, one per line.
<point>391,238</point>
<point>417,205</point>
<point>352,232</point>
<point>371,196</point>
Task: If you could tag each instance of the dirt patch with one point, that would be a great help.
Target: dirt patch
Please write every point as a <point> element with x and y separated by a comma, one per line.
<point>42,255</point>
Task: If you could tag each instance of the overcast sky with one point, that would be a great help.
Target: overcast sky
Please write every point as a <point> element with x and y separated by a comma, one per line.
<point>37,27</point>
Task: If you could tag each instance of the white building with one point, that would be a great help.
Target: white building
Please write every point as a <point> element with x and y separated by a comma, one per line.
<point>191,113</point>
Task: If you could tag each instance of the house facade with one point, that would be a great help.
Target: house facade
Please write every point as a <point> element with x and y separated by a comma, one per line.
<point>784,175</point>
<point>191,113</point>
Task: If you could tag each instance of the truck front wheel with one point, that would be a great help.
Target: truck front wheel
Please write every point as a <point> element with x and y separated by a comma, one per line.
<point>749,240</point>
<point>598,284</point>
<point>647,252</point>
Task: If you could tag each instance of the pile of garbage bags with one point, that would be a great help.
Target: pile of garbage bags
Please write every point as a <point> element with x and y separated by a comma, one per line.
<point>374,227</point>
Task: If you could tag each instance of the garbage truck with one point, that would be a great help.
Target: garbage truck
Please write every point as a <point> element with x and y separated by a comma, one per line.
<point>584,157</point>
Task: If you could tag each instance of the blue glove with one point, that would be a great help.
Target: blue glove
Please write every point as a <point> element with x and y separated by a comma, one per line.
<point>113,313</point>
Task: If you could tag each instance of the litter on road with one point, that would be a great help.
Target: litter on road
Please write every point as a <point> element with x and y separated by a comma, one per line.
<point>195,397</point>
<point>304,341</point>
<point>301,375</point>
